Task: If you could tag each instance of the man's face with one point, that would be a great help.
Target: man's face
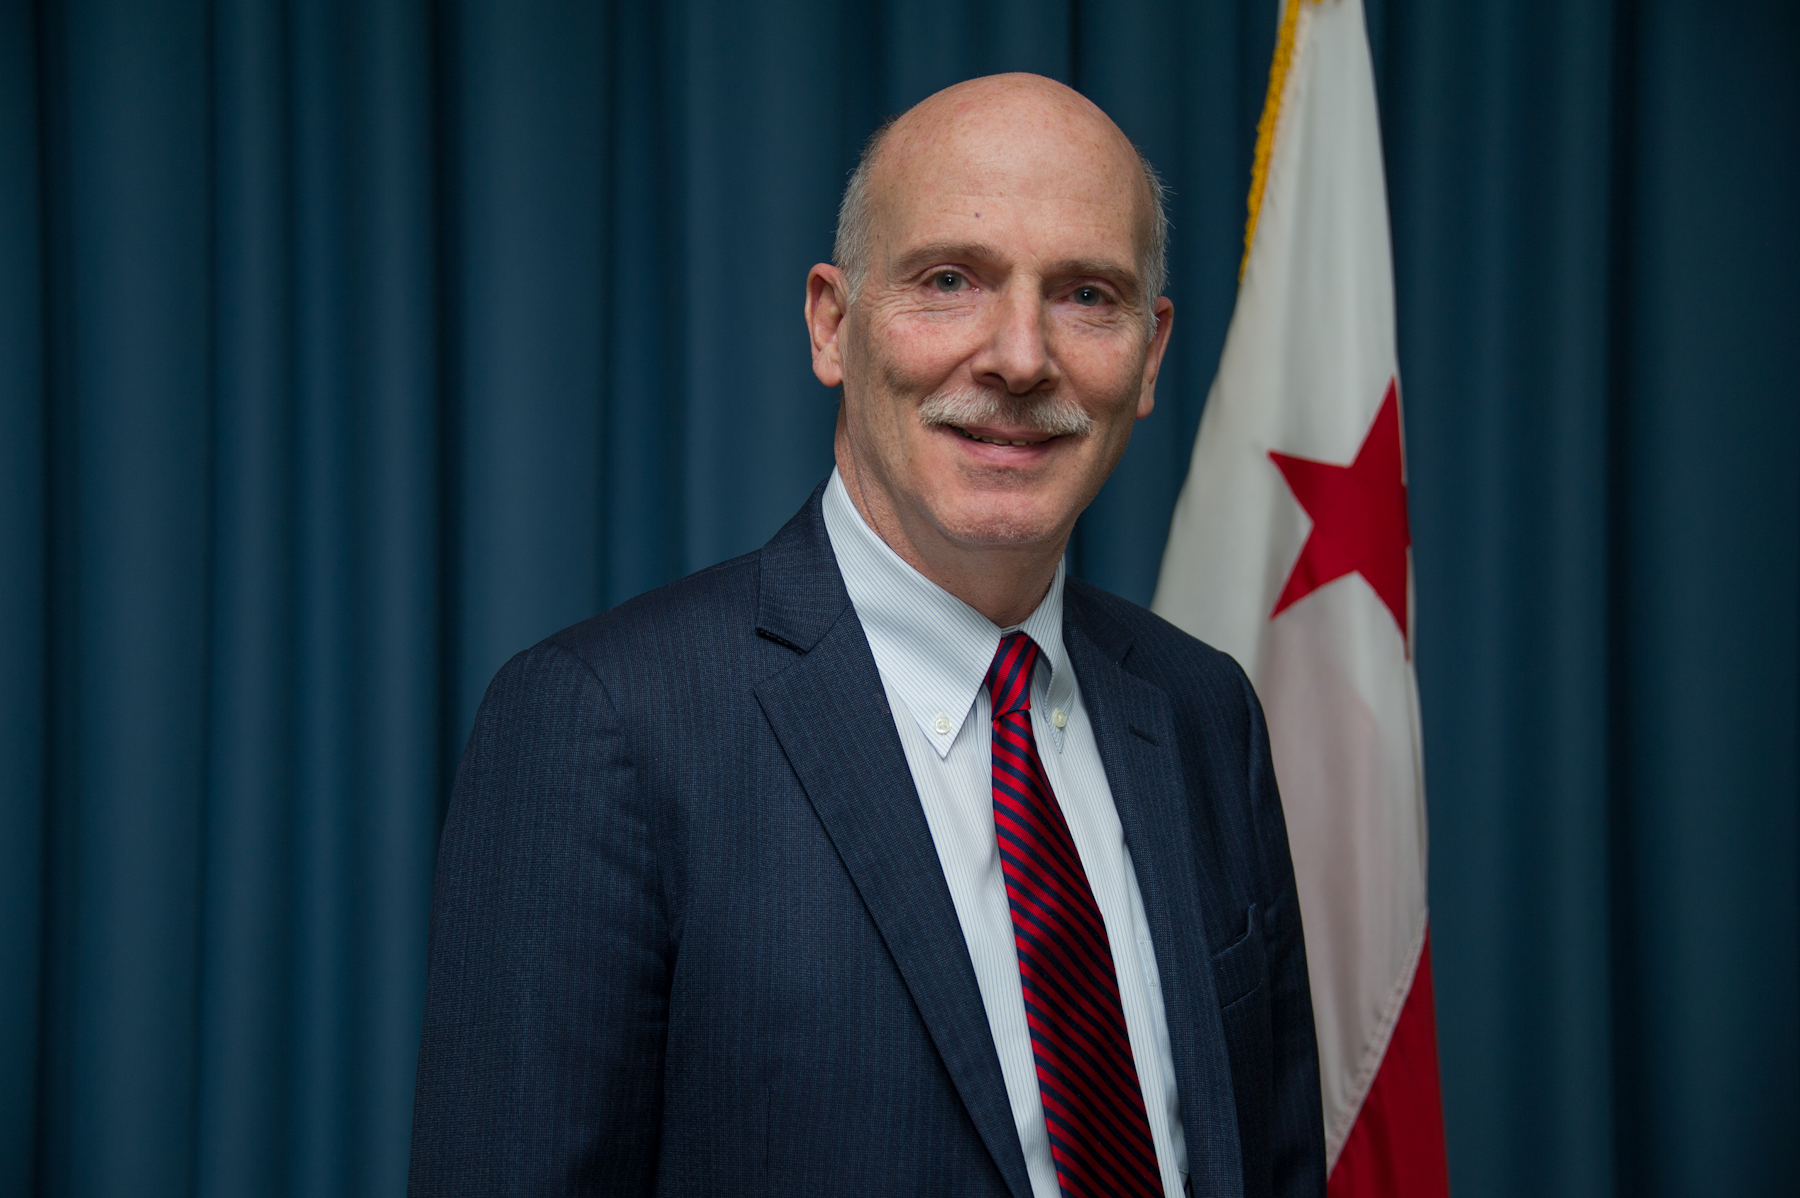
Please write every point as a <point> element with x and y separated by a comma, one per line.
<point>1000,348</point>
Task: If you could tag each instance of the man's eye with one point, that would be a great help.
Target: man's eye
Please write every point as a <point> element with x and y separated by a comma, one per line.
<point>1088,297</point>
<point>948,280</point>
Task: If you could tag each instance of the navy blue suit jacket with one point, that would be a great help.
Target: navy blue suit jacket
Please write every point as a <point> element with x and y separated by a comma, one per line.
<point>690,935</point>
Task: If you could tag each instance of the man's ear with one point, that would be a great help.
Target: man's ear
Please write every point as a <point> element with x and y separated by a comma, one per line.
<point>1153,354</point>
<point>827,303</point>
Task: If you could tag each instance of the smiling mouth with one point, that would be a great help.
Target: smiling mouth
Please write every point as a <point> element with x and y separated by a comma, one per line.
<point>997,441</point>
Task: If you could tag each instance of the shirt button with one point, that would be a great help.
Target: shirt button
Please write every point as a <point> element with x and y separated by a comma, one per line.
<point>942,724</point>
<point>1060,718</point>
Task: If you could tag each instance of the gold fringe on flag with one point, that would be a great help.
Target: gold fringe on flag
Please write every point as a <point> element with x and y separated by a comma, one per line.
<point>1265,127</point>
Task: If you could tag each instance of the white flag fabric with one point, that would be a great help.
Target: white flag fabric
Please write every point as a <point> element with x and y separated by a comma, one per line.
<point>1290,550</point>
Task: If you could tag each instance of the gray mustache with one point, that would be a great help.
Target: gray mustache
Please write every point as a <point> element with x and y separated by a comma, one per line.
<point>1054,416</point>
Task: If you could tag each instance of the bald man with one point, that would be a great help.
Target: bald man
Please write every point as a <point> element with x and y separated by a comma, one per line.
<point>889,859</point>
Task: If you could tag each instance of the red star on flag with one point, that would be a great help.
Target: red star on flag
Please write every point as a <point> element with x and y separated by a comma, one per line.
<point>1359,516</point>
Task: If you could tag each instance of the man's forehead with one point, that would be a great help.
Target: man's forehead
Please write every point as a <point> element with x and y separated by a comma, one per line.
<point>986,126</point>
<point>1008,136</point>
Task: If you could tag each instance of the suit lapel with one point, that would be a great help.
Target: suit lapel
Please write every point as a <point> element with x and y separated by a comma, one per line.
<point>829,712</point>
<point>1173,854</point>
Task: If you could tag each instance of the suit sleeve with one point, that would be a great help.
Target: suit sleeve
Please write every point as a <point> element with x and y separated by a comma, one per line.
<point>541,1058</point>
<point>1296,1116</point>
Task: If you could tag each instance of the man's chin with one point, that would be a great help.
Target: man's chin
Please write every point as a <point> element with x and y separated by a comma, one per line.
<point>999,525</point>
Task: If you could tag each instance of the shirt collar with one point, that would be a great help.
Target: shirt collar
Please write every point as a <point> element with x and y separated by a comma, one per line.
<point>932,648</point>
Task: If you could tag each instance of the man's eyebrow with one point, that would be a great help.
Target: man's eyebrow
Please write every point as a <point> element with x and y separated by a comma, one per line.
<point>944,251</point>
<point>1122,276</point>
<point>1125,277</point>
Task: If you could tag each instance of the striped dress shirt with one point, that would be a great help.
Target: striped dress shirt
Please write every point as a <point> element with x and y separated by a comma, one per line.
<point>933,651</point>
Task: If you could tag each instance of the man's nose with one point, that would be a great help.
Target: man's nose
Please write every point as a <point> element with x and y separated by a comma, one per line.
<point>1016,354</point>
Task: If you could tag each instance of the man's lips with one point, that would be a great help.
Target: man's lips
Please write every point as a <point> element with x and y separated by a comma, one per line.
<point>1001,436</point>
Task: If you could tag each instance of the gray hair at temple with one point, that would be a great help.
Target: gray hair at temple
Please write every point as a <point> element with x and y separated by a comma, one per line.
<point>850,252</point>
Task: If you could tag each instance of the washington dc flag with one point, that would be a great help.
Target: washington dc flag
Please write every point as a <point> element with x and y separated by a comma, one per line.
<point>1290,551</point>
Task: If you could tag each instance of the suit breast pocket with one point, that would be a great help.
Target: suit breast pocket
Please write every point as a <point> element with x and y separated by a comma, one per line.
<point>1241,966</point>
<point>1241,975</point>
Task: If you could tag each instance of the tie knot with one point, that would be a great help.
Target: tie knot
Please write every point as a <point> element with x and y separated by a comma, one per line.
<point>1009,678</point>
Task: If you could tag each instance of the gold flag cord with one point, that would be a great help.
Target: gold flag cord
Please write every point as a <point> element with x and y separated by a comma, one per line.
<point>1265,127</point>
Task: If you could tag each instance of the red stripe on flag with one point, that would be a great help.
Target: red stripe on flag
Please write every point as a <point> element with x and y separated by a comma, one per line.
<point>1396,1145</point>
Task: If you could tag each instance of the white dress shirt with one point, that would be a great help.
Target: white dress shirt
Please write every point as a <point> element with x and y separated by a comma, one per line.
<point>933,651</point>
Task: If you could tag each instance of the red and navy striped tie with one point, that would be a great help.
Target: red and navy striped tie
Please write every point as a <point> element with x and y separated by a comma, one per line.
<point>1093,1104</point>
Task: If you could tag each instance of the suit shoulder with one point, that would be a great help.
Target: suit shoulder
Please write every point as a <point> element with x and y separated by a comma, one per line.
<point>1159,652</point>
<point>692,619</point>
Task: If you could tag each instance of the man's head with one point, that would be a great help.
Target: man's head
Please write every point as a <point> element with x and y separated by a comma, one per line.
<point>994,317</point>
<point>853,244</point>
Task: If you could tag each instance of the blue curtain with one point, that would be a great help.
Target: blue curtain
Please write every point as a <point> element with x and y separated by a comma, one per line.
<point>348,348</point>
<point>1597,219</point>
